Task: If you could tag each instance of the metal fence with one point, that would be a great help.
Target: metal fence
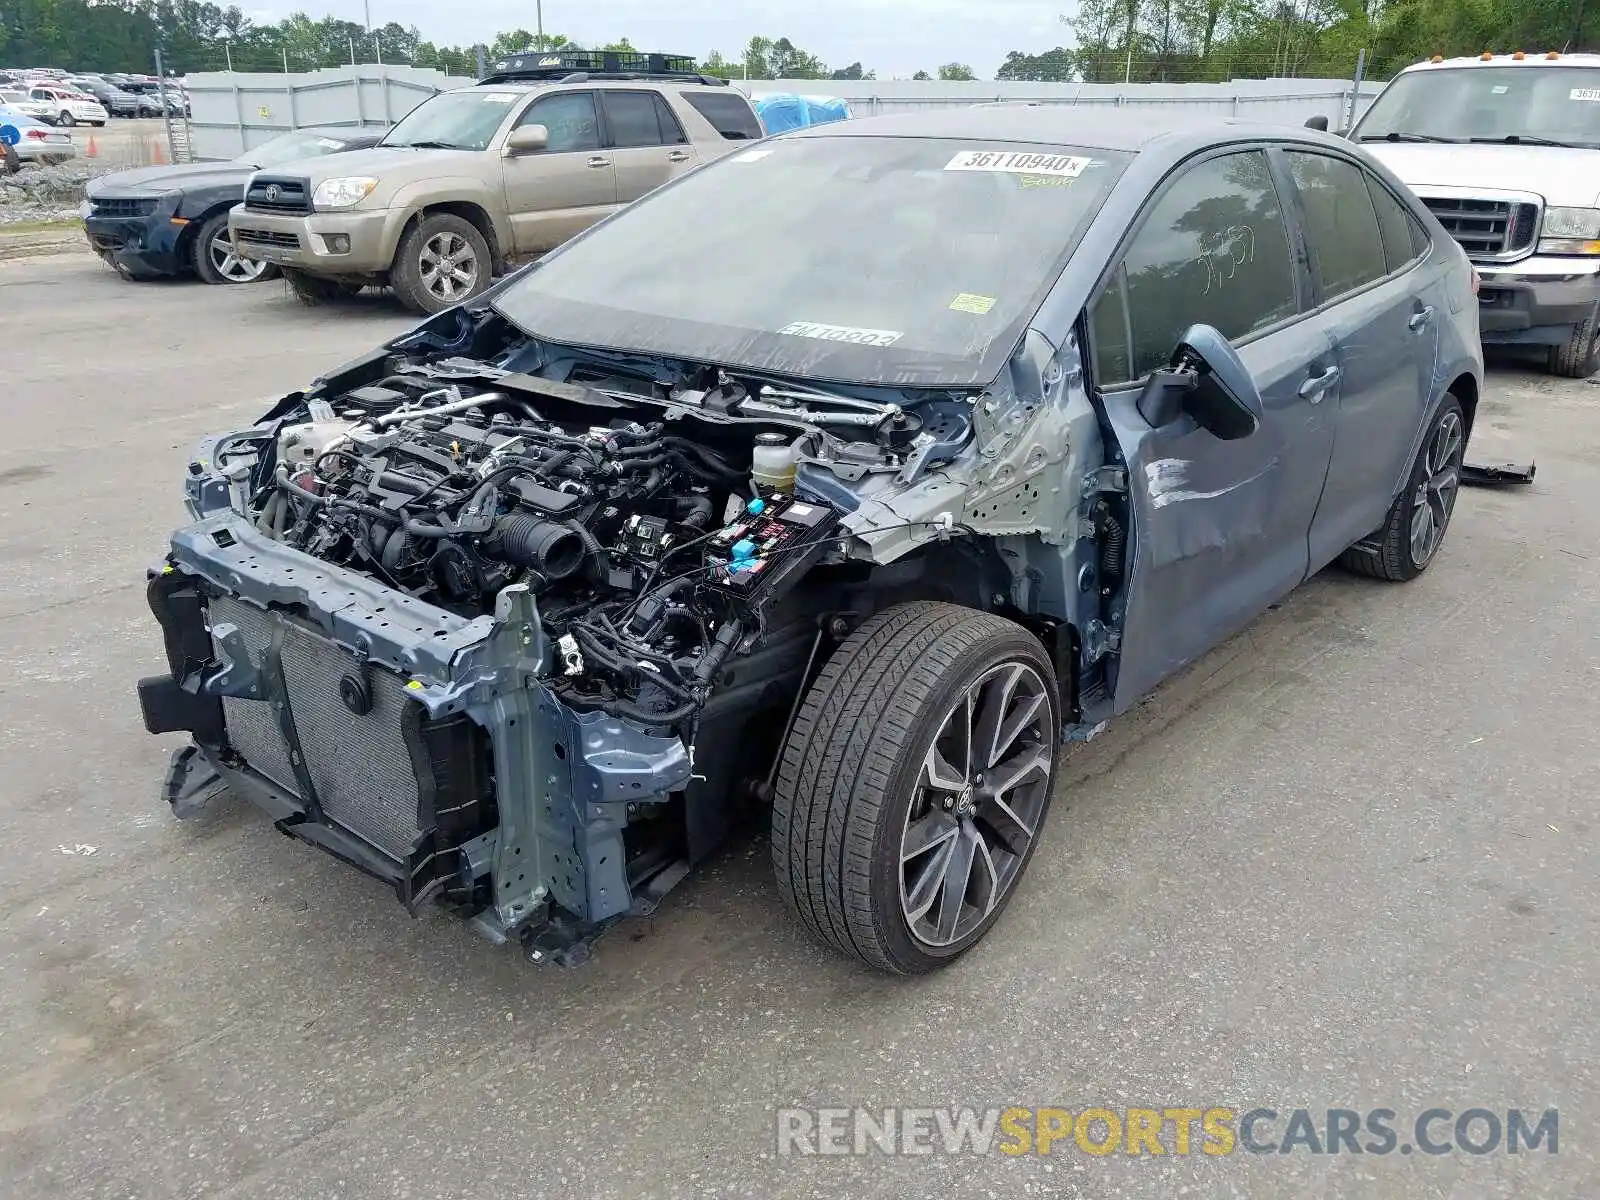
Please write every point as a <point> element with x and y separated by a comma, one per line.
<point>235,111</point>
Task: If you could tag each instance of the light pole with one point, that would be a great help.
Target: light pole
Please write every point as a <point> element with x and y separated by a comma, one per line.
<point>538,9</point>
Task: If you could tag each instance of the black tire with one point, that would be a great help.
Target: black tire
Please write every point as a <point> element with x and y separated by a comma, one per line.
<point>407,275</point>
<point>1392,553</point>
<point>313,290</point>
<point>1579,356</point>
<point>852,771</point>
<point>64,119</point>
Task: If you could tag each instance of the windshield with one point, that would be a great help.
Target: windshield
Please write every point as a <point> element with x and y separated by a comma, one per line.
<point>913,262</point>
<point>464,120</point>
<point>288,147</point>
<point>1525,102</point>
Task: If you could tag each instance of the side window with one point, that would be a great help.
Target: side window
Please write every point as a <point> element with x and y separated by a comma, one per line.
<point>1212,248</point>
<point>1421,239</point>
<point>730,114</point>
<point>672,133</point>
<point>1346,245</point>
<point>632,119</point>
<point>1394,226</point>
<point>570,118</point>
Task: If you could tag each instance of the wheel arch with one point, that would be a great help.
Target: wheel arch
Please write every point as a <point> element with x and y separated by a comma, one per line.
<point>1466,390</point>
<point>469,211</point>
<point>185,243</point>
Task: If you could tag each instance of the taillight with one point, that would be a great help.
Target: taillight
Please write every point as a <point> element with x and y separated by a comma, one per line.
<point>37,135</point>
<point>1477,281</point>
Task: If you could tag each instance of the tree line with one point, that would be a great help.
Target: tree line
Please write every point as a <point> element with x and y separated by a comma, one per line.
<point>1137,40</point>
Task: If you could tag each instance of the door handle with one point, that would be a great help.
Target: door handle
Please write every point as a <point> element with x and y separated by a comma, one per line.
<point>1420,318</point>
<point>598,161</point>
<point>1317,386</point>
<point>677,156</point>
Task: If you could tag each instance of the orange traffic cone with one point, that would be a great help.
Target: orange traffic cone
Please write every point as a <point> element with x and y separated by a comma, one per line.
<point>160,156</point>
<point>93,151</point>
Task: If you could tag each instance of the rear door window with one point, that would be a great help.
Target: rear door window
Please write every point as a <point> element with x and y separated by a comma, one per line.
<point>1214,248</point>
<point>632,119</point>
<point>1347,248</point>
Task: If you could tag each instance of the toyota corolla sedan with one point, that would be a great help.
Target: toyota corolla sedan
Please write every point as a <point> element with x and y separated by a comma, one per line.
<point>847,477</point>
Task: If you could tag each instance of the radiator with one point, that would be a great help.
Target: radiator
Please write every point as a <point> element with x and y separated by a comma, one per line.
<point>360,766</point>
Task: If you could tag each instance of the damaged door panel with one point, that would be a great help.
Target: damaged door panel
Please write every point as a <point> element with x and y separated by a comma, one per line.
<point>1219,527</point>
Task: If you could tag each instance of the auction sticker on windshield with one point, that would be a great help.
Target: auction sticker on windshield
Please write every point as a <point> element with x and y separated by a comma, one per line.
<point>1019,163</point>
<point>1584,94</point>
<point>842,333</point>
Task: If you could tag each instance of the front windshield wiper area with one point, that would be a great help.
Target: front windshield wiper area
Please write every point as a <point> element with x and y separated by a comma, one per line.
<point>423,145</point>
<point>1531,139</point>
<point>1408,137</point>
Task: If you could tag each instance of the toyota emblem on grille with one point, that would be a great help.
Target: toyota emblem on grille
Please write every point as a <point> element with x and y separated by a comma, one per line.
<point>272,191</point>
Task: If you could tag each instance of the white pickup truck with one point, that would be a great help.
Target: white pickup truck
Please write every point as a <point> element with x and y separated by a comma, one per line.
<point>1505,149</point>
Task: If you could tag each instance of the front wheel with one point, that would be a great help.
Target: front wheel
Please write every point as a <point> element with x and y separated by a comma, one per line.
<point>914,784</point>
<point>1579,356</point>
<point>1414,530</point>
<point>215,260</point>
<point>65,120</point>
<point>442,260</point>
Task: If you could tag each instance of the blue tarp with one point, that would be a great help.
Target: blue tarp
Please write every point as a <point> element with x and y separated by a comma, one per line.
<point>785,110</point>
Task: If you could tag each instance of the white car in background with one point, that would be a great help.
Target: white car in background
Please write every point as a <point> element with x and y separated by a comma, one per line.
<point>18,100</point>
<point>67,106</point>
<point>36,141</point>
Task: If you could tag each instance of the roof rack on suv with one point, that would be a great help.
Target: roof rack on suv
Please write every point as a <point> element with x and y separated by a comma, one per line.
<point>579,66</point>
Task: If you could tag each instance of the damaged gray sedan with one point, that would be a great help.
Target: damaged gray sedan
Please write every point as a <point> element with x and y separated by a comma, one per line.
<point>842,481</point>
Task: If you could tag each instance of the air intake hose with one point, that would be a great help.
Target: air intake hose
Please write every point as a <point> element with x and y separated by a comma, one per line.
<point>555,551</point>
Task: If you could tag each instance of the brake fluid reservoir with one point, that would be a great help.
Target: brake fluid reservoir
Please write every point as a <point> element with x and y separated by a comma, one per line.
<point>772,464</point>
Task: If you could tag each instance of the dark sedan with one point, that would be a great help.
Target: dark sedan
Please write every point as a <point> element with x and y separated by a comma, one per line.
<point>173,220</point>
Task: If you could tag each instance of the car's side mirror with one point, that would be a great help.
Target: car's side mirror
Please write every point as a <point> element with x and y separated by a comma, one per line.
<point>1317,122</point>
<point>1207,380</point>
<point>527,139</point>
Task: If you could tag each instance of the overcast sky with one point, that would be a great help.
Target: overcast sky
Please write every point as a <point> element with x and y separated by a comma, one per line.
<point>892,37</point>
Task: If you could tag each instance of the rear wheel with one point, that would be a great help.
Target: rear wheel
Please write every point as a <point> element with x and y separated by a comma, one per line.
<point>442,260</point>
<point>914,784</point>
<point>1415,527</point>
<point>215,260</point>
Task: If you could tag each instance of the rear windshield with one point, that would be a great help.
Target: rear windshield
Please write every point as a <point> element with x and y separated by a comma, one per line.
<point>1492,104</point>
<point>858,259</point>
<point>729,114</point>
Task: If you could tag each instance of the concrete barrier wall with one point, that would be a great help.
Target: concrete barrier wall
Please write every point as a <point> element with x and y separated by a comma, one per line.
<point>233,112</point>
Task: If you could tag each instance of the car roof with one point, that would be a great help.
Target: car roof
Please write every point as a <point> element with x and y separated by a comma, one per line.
<point>1529,59</point>
<point>1132,131</point>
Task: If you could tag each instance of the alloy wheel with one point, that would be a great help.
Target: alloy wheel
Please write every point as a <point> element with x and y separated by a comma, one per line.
<point>65,120</point>
<point>230,266</point>
<point>1435,496</point>
<point>449,267</point>
<point>980,797</point>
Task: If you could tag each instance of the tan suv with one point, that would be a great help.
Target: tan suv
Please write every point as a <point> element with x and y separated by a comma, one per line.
<point>471,180</point>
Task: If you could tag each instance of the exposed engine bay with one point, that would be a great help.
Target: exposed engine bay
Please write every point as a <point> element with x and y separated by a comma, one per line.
<point>652,554</point>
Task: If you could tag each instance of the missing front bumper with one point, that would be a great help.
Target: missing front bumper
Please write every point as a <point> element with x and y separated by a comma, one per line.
<point>519,803</point>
